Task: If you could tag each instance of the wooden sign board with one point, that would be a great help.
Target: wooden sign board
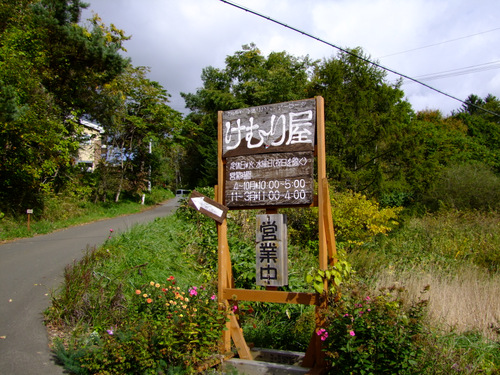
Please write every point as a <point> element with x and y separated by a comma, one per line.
<point>281,127</point>
<point>207,206</point>
<point>271,250</point>
<point>280,179</point>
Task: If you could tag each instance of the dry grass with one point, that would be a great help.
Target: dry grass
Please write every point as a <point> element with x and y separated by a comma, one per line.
<point>466,301</point>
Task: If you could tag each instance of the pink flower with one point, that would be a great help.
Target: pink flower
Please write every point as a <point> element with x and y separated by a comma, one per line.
<point>322,333</point>
<point>193,291</point>
<point>352,333</point>
<point>367,298</point>
<point>235,308</point>
<point>213,297</point>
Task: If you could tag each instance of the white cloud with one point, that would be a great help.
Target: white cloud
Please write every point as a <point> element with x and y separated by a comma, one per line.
<point>177,39</point>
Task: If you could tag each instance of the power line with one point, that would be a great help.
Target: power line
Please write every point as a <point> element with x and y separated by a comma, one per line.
<point>355,55</point>
<point>440,43</point>
<point>460,71</point>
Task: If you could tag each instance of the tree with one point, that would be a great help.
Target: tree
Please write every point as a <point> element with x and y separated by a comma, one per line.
<point>50,70</point>
<point>366,119</point>
<point>135,115</point>
<point>483,127</point>
<point>248,79</point>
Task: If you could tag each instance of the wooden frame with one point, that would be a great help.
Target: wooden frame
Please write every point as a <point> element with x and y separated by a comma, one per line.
<point>327,256</point>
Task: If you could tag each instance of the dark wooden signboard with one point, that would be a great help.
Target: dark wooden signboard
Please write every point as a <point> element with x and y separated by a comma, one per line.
<point>269,154</point>
<point>277,179</point>
<point>207,206</point>
<point>281,127</point>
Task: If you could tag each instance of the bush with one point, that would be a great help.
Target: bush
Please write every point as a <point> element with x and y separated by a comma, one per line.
<point>369,333</point>
<point>357,219</point>
<point>166,328</point>
<point>467,186</point>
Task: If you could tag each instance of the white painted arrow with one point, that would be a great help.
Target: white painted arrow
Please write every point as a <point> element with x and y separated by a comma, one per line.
<point>199,202</point>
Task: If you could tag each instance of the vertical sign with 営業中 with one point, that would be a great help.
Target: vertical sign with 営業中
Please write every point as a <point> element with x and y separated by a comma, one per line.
<point>271,250</point>
<point>269,153</point>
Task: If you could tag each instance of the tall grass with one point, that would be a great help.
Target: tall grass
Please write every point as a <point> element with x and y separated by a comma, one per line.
<point>457,255</point>
<point>464,302</point>
<point>65,211</point>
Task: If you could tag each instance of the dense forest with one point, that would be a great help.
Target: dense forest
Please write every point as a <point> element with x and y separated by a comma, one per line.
<point>56,72</point>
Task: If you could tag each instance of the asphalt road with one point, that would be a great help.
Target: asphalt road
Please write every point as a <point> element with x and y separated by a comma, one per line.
<point>29,269</point>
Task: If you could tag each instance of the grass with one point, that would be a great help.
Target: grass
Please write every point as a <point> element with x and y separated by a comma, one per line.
<point>61,213</point>
<point>455,253</point>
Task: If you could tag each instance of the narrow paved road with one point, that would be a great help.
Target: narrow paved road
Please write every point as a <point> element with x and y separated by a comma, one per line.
<point>29,269</point>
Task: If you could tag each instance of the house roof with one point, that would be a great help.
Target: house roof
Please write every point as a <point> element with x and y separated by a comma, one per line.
<point>91,125</point>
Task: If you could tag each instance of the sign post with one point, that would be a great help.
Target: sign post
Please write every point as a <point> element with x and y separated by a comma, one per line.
<point>29,211</point>
<point>266,158</point>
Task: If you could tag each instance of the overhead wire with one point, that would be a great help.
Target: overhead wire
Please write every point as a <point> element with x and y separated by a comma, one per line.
<point>440,43</point>
<point>460,71</point>
<point>356,56</point>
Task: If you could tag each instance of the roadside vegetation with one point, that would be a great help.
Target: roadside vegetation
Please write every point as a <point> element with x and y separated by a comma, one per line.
<point>415,199</point>
<point>63,211</point>
<point>423,298</point>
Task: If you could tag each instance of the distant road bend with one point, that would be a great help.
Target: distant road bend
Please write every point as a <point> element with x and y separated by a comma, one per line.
<point>29,269</point>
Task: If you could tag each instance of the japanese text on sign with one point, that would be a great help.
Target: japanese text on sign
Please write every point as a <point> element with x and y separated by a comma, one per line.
<point>277,179</point>
<point>271,250</point>
<point>270,128</point>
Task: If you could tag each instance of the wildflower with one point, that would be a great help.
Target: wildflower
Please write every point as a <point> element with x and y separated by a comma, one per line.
<point>193,291</point>
<point>145,295</point>
<point>152,283</point>
<point>352,333</point>
<point>213,297</point>
<point>157,285</point>
<point>186,299</point>
<point>110,331</point>
<point>367,298</point>
<point>322,333</point>
<point>171,278</point>
<point>111,230</point>
<point>235,308</point>
<point>346,315</point>
<point>138,291</point>
<point>149,300</point>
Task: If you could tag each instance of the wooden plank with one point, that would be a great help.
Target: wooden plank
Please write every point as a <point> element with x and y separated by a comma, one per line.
<point>270,296</point>
<point>274,179</point>
<point>271,250</point>
<point>223,256</point>
<point>238,339</point>
<point>281,127</point>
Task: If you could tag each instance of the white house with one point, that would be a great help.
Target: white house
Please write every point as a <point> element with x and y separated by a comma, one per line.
<point>91,145</point>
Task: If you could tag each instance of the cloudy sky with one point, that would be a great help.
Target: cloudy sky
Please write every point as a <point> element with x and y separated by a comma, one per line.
<point>451,45</point>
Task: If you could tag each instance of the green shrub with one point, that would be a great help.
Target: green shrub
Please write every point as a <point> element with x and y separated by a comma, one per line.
<point>368,333</point>
<point>467,186</point>
<point>166,328</point>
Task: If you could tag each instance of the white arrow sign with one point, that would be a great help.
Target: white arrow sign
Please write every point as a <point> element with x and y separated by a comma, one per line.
<point>200,203</point>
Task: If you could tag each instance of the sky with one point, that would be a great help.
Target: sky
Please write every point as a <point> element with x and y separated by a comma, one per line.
<point>451,45</point>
